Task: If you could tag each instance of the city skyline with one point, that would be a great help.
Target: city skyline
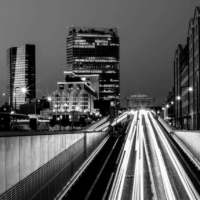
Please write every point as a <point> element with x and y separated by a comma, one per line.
<point>149,33</point>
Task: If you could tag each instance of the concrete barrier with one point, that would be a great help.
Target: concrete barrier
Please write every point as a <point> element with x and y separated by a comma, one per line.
<point>191,140</point>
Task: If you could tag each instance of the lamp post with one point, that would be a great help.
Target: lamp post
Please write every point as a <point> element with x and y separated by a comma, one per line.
<point>180,110</point>
<point>190,89</point>
<point>23,90</point>
<point>60,121</point>
<point>173,114</point>
<point>49,99</point>
<point>167,111</point>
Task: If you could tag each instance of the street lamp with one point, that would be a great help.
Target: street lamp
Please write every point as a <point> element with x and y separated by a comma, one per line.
<point>178,98</point>
<point>60,121</point>
<point>49,99</point>
<point>190,89</point>
<point>23,90</point>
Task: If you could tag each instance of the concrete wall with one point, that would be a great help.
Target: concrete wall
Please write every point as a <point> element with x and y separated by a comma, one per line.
<point>20,156</point>
<point>191,140</point>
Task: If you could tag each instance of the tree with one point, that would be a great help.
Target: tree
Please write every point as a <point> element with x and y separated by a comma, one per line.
<point>82,121</point>
<point>52,122</point>
<point>65,121</point>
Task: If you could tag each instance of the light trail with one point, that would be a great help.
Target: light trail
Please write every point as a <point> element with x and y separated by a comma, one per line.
<point>91,128</point>
<point>102,126</point>
<point>165,178</point>
<point>138,185</point>
<point>120,118</point>
<point>118,183</point>
<point>153,189</point>
<point>189,188</point>
<point>189,154</point>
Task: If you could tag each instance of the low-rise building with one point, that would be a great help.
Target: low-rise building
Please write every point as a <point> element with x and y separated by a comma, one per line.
<point>75,96</point>
<point>137,101</point>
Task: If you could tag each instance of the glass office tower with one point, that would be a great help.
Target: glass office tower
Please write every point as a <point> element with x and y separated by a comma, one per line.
<point>20,74</point>
<point>96,51</point>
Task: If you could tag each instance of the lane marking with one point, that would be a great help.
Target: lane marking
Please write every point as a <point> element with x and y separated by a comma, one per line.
<point>105,194</point>
<point>81,169</point>
<point>120,153</point>
<point>99,174</point>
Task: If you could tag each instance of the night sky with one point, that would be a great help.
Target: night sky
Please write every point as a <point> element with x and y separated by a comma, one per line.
<point>149,31</point>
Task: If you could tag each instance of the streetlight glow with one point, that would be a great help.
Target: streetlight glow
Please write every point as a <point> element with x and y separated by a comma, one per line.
<point>24,90</point>
<point>172,102</point>
<point>83,79</point>
<point>49,98</point>
<point>190,89</point>
<point>178,98</point>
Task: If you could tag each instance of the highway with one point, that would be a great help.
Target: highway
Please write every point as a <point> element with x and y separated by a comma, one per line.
<point>144,162</point>
<point>155,170</point>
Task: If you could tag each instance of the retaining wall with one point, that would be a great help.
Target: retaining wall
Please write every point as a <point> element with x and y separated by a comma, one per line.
<point>23,158</point>
<point>191,140</point>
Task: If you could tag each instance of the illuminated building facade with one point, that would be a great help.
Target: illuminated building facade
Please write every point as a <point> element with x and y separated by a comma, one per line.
<point>187,78</point>
<point>75,93</point>
<point>95,51</point>
<point>20,74</point>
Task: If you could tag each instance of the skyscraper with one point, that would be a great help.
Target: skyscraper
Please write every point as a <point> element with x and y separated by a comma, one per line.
<point>96,51</point>
<point>20,77</point>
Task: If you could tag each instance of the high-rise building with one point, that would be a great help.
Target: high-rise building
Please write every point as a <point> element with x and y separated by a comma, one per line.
<point>96,51</point>
<point>20,77</point>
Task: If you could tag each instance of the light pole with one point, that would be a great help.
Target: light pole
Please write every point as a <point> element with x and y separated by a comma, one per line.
<point>49,99</point>
<point>23,91</point>
<point>60,121</point>
<point>173,114</point>
<point>180,110</point>
<point>5,101</point>
<point>190,89</point>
